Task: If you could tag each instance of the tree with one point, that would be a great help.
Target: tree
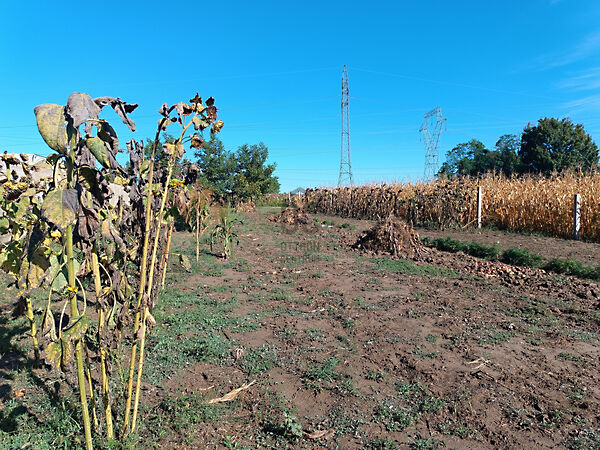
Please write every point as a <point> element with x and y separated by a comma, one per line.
<point>254,177</point>
<point>217,167</point>
<point>508,146</point>
<point>470,158</point>
<point>556,145</point>
<point>240,176</point>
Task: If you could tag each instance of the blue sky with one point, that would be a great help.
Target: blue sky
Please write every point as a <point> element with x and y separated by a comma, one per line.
<point>275,70</point>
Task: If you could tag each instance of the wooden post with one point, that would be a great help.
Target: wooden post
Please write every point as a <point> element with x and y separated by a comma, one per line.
<point>479,198</point>
<point>577,217</point>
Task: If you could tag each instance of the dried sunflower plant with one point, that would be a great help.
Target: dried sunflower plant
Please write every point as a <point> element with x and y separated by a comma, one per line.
<point>94,235</point>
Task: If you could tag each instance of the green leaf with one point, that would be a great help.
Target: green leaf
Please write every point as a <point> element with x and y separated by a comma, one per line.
<point>54,128</point>
<point>144,168</point>
<point>10,258</point>
<point>125,289</point>
<point>60,208</point>
<point>99,150</point>
<point>185,262</point>
<point>4,224</point>
<point>53,353</point>
<point>58,273</point>
<point>19,209</point>
<point>77,329</point>
<point>111,319</point>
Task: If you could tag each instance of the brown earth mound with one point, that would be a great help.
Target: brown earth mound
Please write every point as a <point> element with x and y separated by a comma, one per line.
<point>246,207</point>
<point>291,216</point>
<point>392,237</point>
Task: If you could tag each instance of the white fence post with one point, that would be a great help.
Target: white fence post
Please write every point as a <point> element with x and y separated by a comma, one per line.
<point>479,198</point>
<point>577,217</point>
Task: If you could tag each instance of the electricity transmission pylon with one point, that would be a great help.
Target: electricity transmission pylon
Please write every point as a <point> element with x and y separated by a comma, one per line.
<point>432,130</point>
<point>345,162</point>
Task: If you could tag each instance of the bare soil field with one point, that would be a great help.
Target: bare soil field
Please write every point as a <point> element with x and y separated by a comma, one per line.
<point>338,348</point>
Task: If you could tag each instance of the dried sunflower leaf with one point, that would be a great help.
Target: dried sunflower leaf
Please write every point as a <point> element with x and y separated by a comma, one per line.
<point>120,107</point>
<point>66,353</point>
<point>53,126</point>
<point>108,134</point>
<point>77,329</point>
<point>200,123</point>
<point>197,141</point>
<point>217,126</point>
<point>60,208</point>
<point>211,113</point>
<point>164,110</point>
<point>48,324</point>
<point>80,108</point>
<point>183,109</point>
<point>196,100</point>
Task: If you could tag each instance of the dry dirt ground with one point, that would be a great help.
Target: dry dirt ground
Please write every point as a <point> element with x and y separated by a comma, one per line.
<point>352,350</point>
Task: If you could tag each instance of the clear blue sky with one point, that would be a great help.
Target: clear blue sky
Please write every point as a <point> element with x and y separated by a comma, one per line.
<point>275,69</point>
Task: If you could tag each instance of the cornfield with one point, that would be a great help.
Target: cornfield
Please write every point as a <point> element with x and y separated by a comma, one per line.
<point>526,204</point>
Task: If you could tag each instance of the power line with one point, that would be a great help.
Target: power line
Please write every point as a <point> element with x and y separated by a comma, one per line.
<point>448,83</point>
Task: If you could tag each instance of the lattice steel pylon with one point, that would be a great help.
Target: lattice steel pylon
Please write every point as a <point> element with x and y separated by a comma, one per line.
<point>345,161</point>
<point>432,130</point>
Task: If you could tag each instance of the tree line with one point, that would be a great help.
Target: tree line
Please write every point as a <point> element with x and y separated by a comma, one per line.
<point>233,176</point>
<point>551,146</point>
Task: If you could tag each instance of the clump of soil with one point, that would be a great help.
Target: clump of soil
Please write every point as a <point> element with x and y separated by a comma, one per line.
<point>291,216</point>
<point>391,237</point>
<point>246,207</point>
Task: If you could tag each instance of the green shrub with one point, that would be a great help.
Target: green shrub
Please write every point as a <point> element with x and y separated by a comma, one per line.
<point>513,256</point>
<point>520,257</point>
<point>473,249</point>
<point>448,245</point>
<point>491,252</point>
<point>572,267</point>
